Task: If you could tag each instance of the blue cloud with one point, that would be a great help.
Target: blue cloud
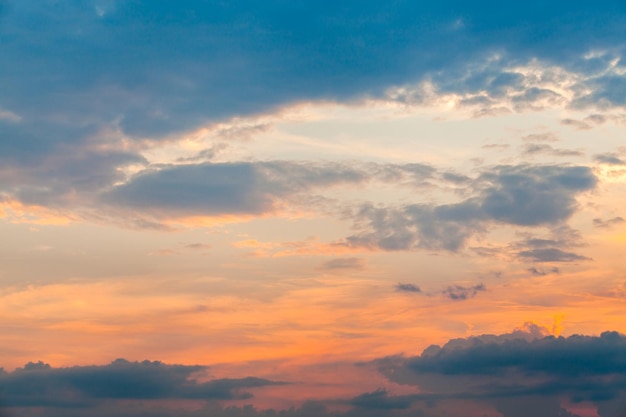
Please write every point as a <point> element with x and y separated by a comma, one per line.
<point>37,384</point>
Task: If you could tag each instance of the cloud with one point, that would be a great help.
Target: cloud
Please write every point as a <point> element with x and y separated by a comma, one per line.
<point>38,384</point>
<point>556,245</point>
<point>460,293</point>
<point>497,146</point>
<point>541,272</point>
<point>380,400</point>
<point>521,195</point>
<point>524,368</point>
<point>601,223</point>
<point>551,255</point>
<point>411,288</point>
<point>196,246</point>
<point>344,263</point>
<point>541,137</point>
<point>254,188</point>
<point>525,371</point>
<point>609,159</point>
<point>575,356</point>
<point>226,61</point>
<point>534,195</point>
<point>543,149</point>
<point>71,177</point>
<point>205,154</point>
<point>577,124</point>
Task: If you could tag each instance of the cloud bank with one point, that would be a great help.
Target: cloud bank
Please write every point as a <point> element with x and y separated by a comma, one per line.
<point>519,373</point>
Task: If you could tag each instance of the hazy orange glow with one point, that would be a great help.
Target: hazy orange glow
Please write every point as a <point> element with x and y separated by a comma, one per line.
<point>16,212</point>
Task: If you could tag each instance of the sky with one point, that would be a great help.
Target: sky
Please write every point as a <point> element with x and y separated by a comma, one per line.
<point>313,208</point>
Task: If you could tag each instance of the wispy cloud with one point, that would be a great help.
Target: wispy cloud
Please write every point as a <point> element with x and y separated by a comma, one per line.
<point>408,287</point>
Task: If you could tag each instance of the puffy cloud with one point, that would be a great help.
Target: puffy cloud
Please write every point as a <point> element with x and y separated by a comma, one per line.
<point>525,372</point>
<point>558,357</point>
<point>534,195</point>
<point>523,367</point>
<point>38,384</point>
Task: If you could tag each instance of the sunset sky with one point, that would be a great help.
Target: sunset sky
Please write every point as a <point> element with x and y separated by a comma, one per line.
<point>321,208</point>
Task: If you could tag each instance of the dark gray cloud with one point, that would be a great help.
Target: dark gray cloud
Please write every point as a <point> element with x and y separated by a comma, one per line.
<point>380,400</point>
<point>597,222</point>
<point>407,287</point>
<point>460,293</point>
<point>520,373</point>
<point>523,367</point>
<point>37,384</point>
<point>522,195</point>
<point>559,357</point>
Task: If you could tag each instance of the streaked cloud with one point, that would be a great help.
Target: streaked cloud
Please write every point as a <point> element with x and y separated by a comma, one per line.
<point>344,263</point>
